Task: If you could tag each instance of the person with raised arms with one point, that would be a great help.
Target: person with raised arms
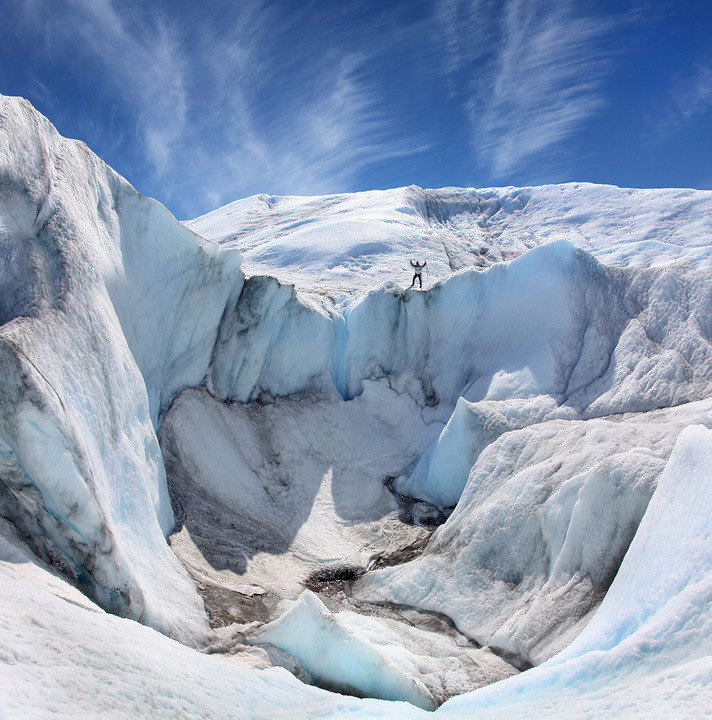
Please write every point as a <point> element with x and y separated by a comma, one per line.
<point>418,268</point>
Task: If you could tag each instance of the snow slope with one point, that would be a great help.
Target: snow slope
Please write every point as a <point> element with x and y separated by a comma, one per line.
<point>347,243</point>
<point>63,657</point>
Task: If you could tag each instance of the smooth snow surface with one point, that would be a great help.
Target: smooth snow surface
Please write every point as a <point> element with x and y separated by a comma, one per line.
<point>318,419</point>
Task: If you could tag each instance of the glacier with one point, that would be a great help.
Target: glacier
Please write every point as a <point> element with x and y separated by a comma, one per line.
<point>346,243</point>
<point>502,473</point>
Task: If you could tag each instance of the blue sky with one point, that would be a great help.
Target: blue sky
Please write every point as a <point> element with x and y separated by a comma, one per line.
<point>199,103</point>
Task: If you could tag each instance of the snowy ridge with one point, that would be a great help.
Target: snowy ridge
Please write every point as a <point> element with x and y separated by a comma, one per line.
<point>553,322</point>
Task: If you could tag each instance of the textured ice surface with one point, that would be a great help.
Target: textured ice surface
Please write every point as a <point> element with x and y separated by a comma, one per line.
<point>271,492</point>
<point>379,657</point>
<point>646,654</point>
<point>345,657</point>
<point>545,519</point>
<point>89,348</point>
<point>647,651</point>
<point>272,340</point>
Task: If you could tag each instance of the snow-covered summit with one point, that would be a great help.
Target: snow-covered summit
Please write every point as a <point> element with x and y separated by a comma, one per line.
<point>345,243</point>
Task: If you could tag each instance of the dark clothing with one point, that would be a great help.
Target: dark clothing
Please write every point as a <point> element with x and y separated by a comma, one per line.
<point>418,271</point>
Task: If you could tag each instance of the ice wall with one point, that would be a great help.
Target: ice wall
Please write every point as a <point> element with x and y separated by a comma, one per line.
<point>109,306</point>
<point>544,521</point>
<point>525,317</point>
<point>272,340</point>
<point>635,341</point>
<point>647,651</point>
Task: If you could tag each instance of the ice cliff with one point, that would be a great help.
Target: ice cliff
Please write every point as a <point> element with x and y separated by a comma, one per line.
<point>97,281</point>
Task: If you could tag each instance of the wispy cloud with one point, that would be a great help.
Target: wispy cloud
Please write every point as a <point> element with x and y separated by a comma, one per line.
<point>137,58</point>
<point>687,95</point>
<point>538,78</point>
<point>224,101</point>
<point>465,30</point>
<point>315,140</point>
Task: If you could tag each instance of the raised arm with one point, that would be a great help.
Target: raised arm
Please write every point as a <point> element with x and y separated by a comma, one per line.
<point>412,263</point>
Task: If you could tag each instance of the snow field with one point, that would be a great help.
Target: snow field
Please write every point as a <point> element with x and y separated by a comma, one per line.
<point>343,244</point>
